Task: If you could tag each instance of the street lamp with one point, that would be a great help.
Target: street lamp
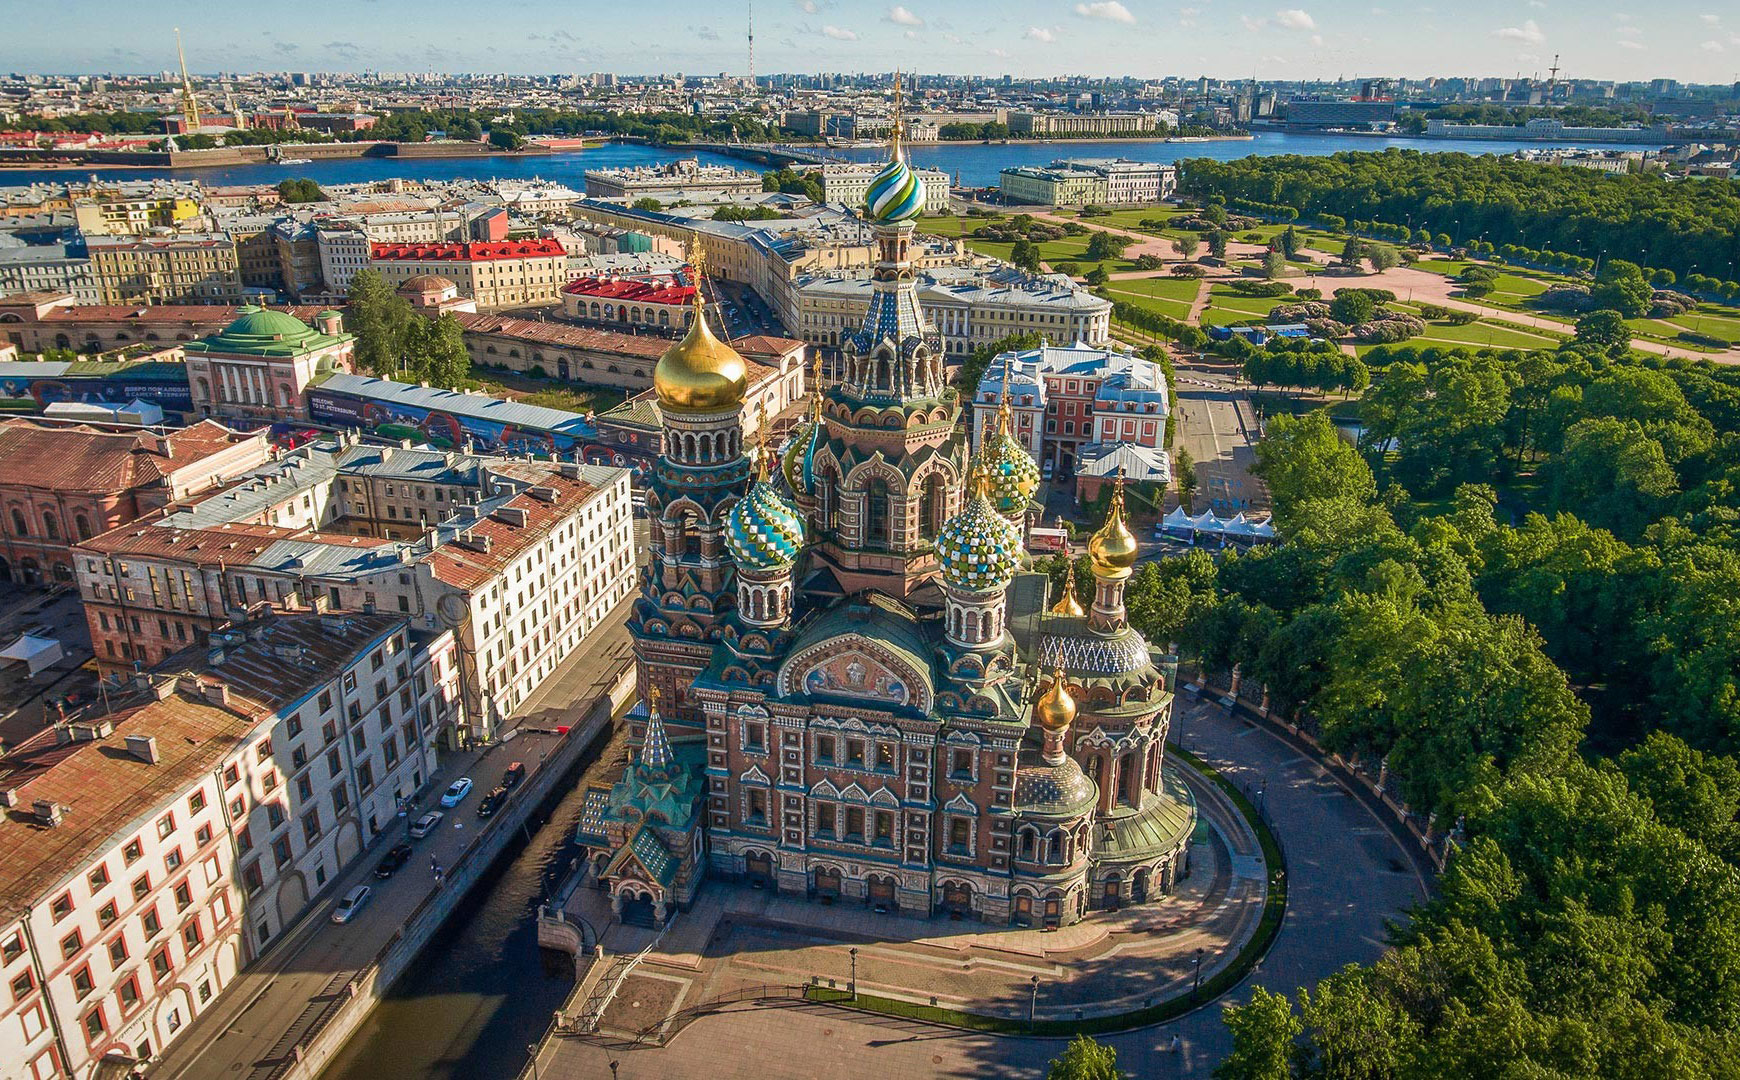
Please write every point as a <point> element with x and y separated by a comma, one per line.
<point>1033,1002</point>
<point>532,1048</point>
<point>1198,984</point>
<point>613,1067</point>
<point>854,984</point>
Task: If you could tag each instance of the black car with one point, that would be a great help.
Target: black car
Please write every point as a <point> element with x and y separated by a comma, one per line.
<point>399,856</point>
<point>492,802</point>
<point>515,773</point>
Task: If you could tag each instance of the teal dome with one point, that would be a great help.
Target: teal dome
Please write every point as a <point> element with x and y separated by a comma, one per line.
<point>1012,473</point>
<point>267,324</point>
<point>263,332</point>
<point>797,464</point>
<point>978,549</point>
<point>765,531</point>
<point>895,194</point>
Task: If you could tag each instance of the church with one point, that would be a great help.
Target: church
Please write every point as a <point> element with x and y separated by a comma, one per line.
<point>852,689</point>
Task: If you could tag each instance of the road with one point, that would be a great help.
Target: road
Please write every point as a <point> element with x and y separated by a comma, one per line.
<point>1347,876</point>
<point>1218,429</point>
<point>264,1008</point>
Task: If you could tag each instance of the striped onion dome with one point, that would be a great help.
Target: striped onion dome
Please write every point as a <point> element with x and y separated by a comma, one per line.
<point>765,531</point>
<point>895,194</point>
<point>978,549</point>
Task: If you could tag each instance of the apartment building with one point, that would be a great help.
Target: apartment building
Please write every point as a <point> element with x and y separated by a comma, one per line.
<point>188,269</point>
<point>509,273</point>
<point>131,210</point>
<point>1089,181</point>
<point>152,851</point>
<point>34,268</point>
<point>344,249</point>
<point>521,559</point>
<point>60,485</point>
<point>1066,403</point>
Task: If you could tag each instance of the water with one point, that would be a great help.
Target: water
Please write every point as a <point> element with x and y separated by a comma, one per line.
<point>975,164</point>
<point>478,995</point>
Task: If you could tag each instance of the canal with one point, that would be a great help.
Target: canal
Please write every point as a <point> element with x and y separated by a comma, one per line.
<point>480,993</point>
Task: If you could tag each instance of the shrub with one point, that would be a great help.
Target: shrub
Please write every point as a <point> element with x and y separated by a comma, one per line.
<point>1477,288</point>
<point>1388,330</point>
<point>1433,312</point>
<point>1462,318</point>
<point>1326,328</point>
<point>1190,270</point>
<point>1571,298</point>
<point>1309,294</point>
<point>1261,288</point>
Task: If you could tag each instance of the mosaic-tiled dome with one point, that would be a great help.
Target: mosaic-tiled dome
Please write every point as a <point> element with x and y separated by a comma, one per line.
<point>765,531</point>
<point>896,193</point>
<point>796,463</point>
<point>1011,470</point>
<point>978,548</point>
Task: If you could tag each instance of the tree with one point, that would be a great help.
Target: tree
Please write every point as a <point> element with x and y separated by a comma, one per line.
<point>1096,276</point>
<point>1025,254</point>
<point>1304,457</point>
<point>1085,1059</point>
<point>1604,329</point>
<point>1274,264</point>
<point>373,316</point>
<point>1382,257</point>
<point>1352,307</point>
<point>1217,244</point>
<point>1612,474</point>
<point>1622,288</point>
<point>506,139</point>
<point>1289,242</point>
<point>1103,245</point>
<point>1352,252</point>
<point>647,202</point>
<point>1186,473</point>
<point>300,190</point>
<point>1263,1034</point>
<point>1187,245</point>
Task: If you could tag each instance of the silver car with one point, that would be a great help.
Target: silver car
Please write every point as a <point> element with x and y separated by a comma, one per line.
<point>351,904</point>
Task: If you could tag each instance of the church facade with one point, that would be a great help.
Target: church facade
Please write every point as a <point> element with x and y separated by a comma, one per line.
<point>852,689</point>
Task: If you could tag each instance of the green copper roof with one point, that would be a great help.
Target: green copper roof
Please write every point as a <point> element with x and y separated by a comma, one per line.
<point>262,332</point>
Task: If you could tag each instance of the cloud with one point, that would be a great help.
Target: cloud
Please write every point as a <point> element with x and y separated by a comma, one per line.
<point>1187,16</point>
<point>911,35</point>
<point>1001,54</point>
<point>1109,10</point>
<point>1529,33</point>
<point>838,34</point>
<point>1624,44</point>
<point>707,33</point>
<point>1040,33</point>
<point>1251,23</point>
<point>808,7</point>
<point>900,16</point>
<point>1317,40</point>
<point>953,39</point>
<point>1296,19</point>
<point>1713,20</point>
<point>1537,4</point>
<point>1712,47</point>
<point>1620,16</point>
<point>1629,31</point>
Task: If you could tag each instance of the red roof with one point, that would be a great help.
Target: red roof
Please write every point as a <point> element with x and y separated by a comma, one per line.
<point>664,291</point>
<point>502,249</point>
<point>565,335</point>
<point>84,459</point>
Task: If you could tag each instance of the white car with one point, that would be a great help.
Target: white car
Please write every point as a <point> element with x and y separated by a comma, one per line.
<point>351,904</point>
<point>456,792</point>
<point>426,824</point>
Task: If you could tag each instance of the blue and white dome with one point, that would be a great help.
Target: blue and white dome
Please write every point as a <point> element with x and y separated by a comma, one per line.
<point>978,549</point>
<point>765,531</point>
<point>896,194</point>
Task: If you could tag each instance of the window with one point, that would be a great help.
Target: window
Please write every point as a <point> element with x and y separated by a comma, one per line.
<point>757,805</point>
<point>12,948</point>
<point>98,877</point>
<point>311,825</point>
<point>82,982</point>
<point>263,751</point>
<point>885,828</point>
<point>281,852</point>
<point>183,896</point>
<point>94,1025</point>
<point>191,935</point>
<point>22,984</point>
<point>825,819</point>
<point>152,924</point>
<point>62,906</point>
<point>855,753</point>
<point>202,836</point>
<point>232,775</point>
<point>128,992</point>
<point>165,826</point>
<point>755,736</point>
<point>107,914</point>
<point>274,815</point>
<point>251,878</point>
<point>885,755</point>
<point>960,831</point>
<point>160,964</point>
<point>117,952</point>
<point>825,748</point>
<point>961,764</point>
<point>71,944</point>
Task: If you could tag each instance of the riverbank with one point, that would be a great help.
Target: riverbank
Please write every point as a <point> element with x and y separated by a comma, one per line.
<point>230,156</point>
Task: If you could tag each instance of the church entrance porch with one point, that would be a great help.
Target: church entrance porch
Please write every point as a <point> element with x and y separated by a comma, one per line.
<point>880,894</point>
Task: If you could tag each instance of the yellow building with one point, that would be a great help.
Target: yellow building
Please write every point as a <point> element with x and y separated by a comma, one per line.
<point>195,269</point>
<point>116,214</point>
<point>495,274</point>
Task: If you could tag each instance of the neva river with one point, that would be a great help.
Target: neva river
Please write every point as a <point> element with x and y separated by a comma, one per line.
<point>972,164</point>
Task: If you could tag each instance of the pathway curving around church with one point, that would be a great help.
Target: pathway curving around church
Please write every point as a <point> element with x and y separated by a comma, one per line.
<point>1347,874</point>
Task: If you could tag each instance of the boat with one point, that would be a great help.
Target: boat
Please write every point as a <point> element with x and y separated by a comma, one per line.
<point>296,161</point>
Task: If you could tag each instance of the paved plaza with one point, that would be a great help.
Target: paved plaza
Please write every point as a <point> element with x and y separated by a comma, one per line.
<point>1347,875</point>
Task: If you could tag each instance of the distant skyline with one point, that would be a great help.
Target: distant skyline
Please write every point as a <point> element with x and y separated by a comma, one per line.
<point>1688,40</point>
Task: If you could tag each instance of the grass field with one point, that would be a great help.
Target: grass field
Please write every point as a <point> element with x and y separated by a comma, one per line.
<point>548,393</point>
<point>1226,306</point>
<point>1169,296</point>
<point>1052,252</point>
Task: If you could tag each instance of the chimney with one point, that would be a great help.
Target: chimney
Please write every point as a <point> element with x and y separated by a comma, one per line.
<point>214,656</point>
<point>48,812</point>
<point>143,747</point>
<point>216,694</point>
<point>9,798</point>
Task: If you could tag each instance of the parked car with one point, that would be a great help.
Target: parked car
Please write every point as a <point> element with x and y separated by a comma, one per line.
<point>515,773</point>
<point>492,802</point>
<point>456,792</point>
<point>351,904</point>
<point>392,860</point>
<point>426,824</point>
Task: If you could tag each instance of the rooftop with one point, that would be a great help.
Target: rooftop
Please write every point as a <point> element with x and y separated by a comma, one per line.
<point>469,252</point>
<point>56,457</point>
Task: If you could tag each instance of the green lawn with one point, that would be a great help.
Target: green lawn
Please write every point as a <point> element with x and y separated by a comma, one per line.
<point>548,393</point>
<point>1169,296</point>
<point>1052,252</point>
<point>1226,306</point>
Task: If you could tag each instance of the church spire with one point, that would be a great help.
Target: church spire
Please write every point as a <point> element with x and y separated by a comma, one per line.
<point>655,747</point>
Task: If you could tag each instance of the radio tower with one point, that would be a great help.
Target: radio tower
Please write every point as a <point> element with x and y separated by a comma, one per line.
<point>189,104</point>
<point>752,46</point>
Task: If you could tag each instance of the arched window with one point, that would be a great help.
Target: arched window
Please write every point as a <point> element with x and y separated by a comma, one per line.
<point>877,523</point>
<point>1127,793</point>
<point>932,506</point>
<point>19,526</point>
<point>1029,843</point>
<point>50,525</point>
<point>204,388</point>
<point>83,525</point>
<point>1054,848</point>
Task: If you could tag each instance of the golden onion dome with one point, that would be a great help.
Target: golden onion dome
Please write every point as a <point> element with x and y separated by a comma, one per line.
<point>1055,709</point>
<point>1113,549</point>
<point>700,373</point>
<point>1067,604</point>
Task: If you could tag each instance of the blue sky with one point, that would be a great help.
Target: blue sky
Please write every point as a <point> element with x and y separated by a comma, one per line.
<point>1691,40</point>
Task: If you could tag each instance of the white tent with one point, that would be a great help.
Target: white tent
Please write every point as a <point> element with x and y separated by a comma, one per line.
<point>37,652</point>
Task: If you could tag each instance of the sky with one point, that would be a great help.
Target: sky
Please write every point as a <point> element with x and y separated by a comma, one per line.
<point>1689,40</point>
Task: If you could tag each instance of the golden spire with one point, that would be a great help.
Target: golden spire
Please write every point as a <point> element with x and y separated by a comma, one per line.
<point>1113,549</point>
<point>1067,604</point>
<point>1003,399</point>
<point>698,267</point>
<point>816,387</point>
<point>895,150</point>
<point>652,695</point>
<point>761,442</point>
<point>1056,709</point>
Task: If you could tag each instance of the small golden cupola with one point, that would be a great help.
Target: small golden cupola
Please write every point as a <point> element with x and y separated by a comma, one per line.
<point>1113,549</point>
<point>1055,709</point>
<point>1067,604</point>
<point>700,373</point>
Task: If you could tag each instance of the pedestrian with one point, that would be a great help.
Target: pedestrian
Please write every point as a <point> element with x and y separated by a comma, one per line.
<point>1175,1043</point>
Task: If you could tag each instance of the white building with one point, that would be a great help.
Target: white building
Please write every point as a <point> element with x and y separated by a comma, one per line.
<point>344,250</point>
<point>47,268</point>
<point>969,305</point>
<point>847,184</point>
<point>150,853</point>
